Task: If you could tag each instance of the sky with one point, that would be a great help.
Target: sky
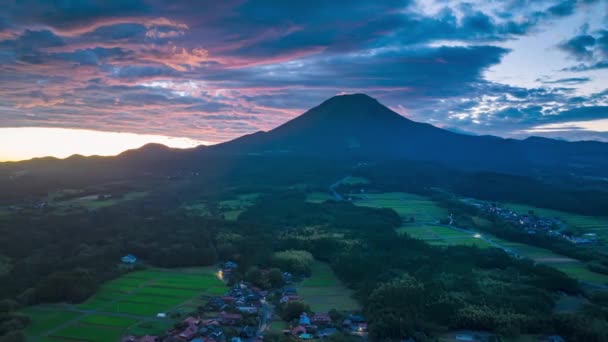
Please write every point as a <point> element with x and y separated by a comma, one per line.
<point>101,76</point>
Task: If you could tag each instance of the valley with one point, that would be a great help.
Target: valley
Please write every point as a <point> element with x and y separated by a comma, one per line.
<point>364,242</point>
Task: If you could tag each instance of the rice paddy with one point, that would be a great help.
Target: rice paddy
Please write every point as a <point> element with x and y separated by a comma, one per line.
<point>443,236</point>
<point>408,206</point>
<point>128,304</point>
<point>323,291</point>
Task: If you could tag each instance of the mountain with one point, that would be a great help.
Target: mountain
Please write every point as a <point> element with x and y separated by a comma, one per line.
<point>359,127</point>
<point>356,128</point>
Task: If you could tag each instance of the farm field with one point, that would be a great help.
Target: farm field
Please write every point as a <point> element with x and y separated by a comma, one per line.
<point>92,202</point>
<point>318,197</point>
<point>232,208</point>
<point>588,224</point>
<point>323,291</point>
<point>442,236</point>
<point>406,205</point>
<point>128,304</point>
<point>571,267</point>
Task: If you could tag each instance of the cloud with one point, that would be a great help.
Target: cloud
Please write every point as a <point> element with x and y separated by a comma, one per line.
<point>214,70</point>
<point>591,49</point>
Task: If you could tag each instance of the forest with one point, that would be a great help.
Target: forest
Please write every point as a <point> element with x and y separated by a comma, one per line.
<point>407,287</point>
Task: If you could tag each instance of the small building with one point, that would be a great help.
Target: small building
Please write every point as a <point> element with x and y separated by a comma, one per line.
<point>230,265</point>
<point>129,259</point>
<point>304,319</point>
<point>192,321</point>
<point>161,315</point>
<point>189,333</point>
<point>247,309</point>
<point>321,318</point>
<point>299,330</point>
<point>230,318</point>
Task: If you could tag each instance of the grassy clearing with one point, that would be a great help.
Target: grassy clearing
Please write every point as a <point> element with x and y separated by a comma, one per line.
<point>142,294</point>
<point>113,321</point>
<point>86,332</point>
<point>443,236</point>
<point>579,271</point>
<point>278,326</point>
<point>46,319</point>
<point>571,267</point>
<point>232,208</point>
<point>92,202</point>
<point>406,205</point>
<point>323,291</point>
<point>318,197</point>
<point>150,328</point>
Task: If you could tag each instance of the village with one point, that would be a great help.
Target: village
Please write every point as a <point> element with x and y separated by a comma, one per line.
<point>245,314</point>
<point>533,223</point>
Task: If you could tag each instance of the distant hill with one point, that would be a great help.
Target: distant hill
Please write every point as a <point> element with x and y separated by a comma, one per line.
<point>358,126</point>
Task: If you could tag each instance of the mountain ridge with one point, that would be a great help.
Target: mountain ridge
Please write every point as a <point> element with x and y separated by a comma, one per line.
<point>359,127</point>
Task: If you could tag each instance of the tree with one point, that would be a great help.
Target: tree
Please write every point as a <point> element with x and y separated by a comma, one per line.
<point>295,261</point>
<point>293,310</point>
<point>398,307</point>
<point>275,278</point>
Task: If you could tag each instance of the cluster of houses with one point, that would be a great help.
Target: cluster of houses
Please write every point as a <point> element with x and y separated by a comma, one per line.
<point>232,311</point>
<point>321,325</point>
<point>533,224</point>
<point>242,314</point>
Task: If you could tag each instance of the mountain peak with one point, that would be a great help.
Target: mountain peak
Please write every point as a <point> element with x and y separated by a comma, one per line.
<point>352,107</point>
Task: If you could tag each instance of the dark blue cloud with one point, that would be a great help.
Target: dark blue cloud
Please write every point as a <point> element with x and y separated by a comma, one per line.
<point>70,13</point>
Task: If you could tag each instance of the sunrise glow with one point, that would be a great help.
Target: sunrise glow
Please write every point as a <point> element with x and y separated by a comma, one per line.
<point>31,142</point>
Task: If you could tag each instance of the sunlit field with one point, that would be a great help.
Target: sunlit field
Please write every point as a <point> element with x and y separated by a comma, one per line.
<point>128,304</point>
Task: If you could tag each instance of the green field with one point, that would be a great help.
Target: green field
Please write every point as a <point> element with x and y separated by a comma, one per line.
<point>571,267</point>
<point>91,202</point>
<point>588,224</point>
<point>442,236</point>
<point>128,304</point>
<point>323,291</point>
<point>406,205</point>
<point>232,208</point>
<point>318,197</point>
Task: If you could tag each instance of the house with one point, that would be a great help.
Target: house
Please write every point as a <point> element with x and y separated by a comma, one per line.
<point>235,339</point>
<point>321,318</point>
<point>230,318</point>
<point>192,321</point>
<point>230,265</point>
<point>128,259</point>
<point>290,291</point>
<point>304,320</point>
<point>287,277</point>
<point>299,330</point>
<point>161,315</point>
<point>356,319</point>
<point>148,338</point>
<point>306,336</point>
<point>189,333</point>
<point>555,338</point>
<point>289,298</point>
<point>247,309</point>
